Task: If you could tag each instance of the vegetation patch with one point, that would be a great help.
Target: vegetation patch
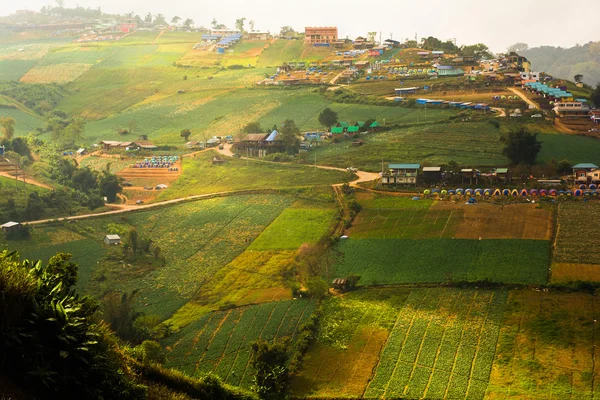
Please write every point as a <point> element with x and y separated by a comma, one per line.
<point>576,235</point>
<point>405,261</point>
<point>567,272</point>
<point>547,346</point>
<point>56,73</point>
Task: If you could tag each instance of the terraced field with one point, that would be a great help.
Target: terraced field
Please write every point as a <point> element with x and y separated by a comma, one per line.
<point>219,342</point>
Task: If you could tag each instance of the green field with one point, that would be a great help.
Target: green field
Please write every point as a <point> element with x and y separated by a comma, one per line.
<point>405,261</point>
<point>200,176</point>
<point>576,237</point>
<point>13,70</point>
<point>24,122</point>
<point>576,149</point>
<point>219,342</point>
<point>404,343</point>
<point>281,51</point>
<point>302,223</point>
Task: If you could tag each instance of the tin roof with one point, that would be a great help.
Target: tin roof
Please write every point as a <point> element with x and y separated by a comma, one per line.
<point>404,166</point>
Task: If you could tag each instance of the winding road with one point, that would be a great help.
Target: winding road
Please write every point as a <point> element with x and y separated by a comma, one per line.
<point>362,176</point>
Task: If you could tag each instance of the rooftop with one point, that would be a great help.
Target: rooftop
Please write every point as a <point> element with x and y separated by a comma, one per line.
<point>404,166</point>
<point>10,224</point>
<point>432,169</point>
<point>585,166</point>
<point>113,237</point>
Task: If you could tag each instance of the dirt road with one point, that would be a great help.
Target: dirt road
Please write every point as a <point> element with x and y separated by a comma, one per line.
<point>522,96</point>
<point>26,180</point>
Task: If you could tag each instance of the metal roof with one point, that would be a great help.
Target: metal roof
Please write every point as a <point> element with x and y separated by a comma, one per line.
<point>9,224</point>
<point>337,129</point>
<point>404,166</point>
<point>501,170</point>
<point>113,237</point>
<point>585,166</point>
<point>432,169</point>
<point>272,137</point>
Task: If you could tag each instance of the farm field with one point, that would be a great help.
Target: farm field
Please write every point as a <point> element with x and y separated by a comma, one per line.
<point>406,261</point>
<point>24,122</point>
<point>576,237</point>
<point>546,347</point>
<point>200,176</point>
<point>56,73</point>
<point>301,223</point>
<point>281,51</point>
<point>13,70</point>
<point>569,272</point>
<point>219,342</point>
<point>576,149</point>
<point>404,343</point>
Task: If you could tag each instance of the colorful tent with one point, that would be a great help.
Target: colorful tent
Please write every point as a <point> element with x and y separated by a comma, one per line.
<point>553,192</point>
<point>578,192</point>
<point>514,192</point>
<point>523,192</point>
<point>543,193</point>
<point>506,192</point>
<point>497,192</point>
<point>533,192</point>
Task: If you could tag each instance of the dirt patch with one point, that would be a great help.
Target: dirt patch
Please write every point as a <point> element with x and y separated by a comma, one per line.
<point>331,372</point>
<point>563,272</point>
<point>490,221</point>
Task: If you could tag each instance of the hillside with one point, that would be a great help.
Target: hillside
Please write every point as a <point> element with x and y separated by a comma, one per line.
<point>566,63</point>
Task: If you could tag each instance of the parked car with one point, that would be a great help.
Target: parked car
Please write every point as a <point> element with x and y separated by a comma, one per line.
<point>236,155</point>
<point>351,169</point>
<point>536,116</point>
<point>148,188</point>
<point>221,147</point>
<point>139,202</point>
<point>127,184</point>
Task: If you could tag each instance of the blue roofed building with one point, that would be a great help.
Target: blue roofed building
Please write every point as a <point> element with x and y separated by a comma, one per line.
<point>400,174</point>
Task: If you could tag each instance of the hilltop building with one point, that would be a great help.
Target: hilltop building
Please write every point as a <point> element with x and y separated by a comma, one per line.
<point>403,174</point>
<point>320,35</point>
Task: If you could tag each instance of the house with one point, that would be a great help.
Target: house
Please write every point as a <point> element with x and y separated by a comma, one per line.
<point>364,64</point>
<point>423,54</point>
<point>11,226</point>
<point>584,172</point>
<point>81,152</point>
<point>571,108</point>
<point>432,174</point>
<point>111,145</point>
<point>392,43</point>
<point>321,35</point>
<point>216,160</point>
<point>194,145</point>
<point>145,145</point>
<point>342,124</point>
<point>404,174</point>
<point>112,239</point>
<point>374,125</point>
<point>338,44</point>
<point>341,284</point>
<point>405,91</point>
<point>223,32</point>
<point>337,132</point>
<point>470,174</point>
<point>126,26</point>
<point>502,174</point>
<point>359,43</point>
<point>448,70</point>
<point>256,35</point>
<point>261,144</point>
<point>594,116</point>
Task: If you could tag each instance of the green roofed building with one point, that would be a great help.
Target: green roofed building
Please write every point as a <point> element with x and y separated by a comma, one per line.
<point>403,174</point>
<point>343,124</point>
<point>360,124</point>
<point>375,124</point>
<point>337,129</point>
<point>353,129</point>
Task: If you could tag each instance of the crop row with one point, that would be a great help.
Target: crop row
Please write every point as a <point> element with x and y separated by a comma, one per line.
<point>442,345</point>
<point>220,342</point>
<point>400,261</point>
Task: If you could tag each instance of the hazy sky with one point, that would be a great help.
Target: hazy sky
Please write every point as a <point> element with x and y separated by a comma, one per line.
<point>495,23</point>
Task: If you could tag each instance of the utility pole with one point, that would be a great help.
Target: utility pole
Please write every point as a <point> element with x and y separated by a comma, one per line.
<point>380,38</point>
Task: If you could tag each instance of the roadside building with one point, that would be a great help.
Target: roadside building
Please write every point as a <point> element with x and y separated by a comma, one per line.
<point>363,64</point>
<point>470,174</point>
<point>583,172</point>
<point>402,174</point>
<point>320,35</point>
<point>11,226</point>
<point>112,239</point>
<point>502,175</point>
<point>111,144</point>
<point>260,144</point>
<point>145,145</point>
<point>571,108</point>
<point>432,174</point>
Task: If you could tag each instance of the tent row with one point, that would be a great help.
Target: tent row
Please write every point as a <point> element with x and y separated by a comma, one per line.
<point>511,192</point>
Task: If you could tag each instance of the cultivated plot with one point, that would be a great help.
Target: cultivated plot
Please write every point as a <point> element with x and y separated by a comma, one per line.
<point>548,347</point>
<point>576,233</point>
<point>219,342</point>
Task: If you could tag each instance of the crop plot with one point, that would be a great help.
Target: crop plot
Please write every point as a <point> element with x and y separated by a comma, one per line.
<point>576,236</point>
<point>442,345</point>
<point>565,272</point>
<point>299,224</point>
<point>403,261</point>
<point>547,347</point>
<point>220,342</point>
<point>13,70</point>
<point>56,73</point>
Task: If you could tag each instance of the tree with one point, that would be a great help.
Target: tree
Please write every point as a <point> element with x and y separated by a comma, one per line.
<point>595,97</point>
<point>214,23</point>
<point>371,36</point>
<point>289,136</point>
<point>287,31</point>
<point>578,78</point>
<point>185,134</point>
<point>517,48</point>
<point>239,24</point>
<point>270,362</point>
<point>160,20</point>
<point>251,24</point>
<point>521,147</point>
<point>175,20</point>
<point>188,23</point>
<point>109,186</point>
<point>328,117</point>
<point>478,51</point>
<point>148,18</point>
<point>8,127</point>
<point>252,127</point>
<point>317,287</point>
<point>563,166</point>
<point>132,124</point>
<point>74,131</point>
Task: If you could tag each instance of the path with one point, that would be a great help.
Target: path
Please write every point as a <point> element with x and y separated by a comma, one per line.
<point>26,180</point>
<point>562,128</point>
<point>501,112</point>
<point>525,98</point>
<point>334,80</point>
<point>156,38</point>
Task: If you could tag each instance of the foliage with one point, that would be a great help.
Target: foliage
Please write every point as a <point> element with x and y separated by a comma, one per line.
<point>328,118</point>
<point>8,128</point>
<point>270,362</point>
<point>185,134</point>
<point>39,97</point>
<point>252,127</point>
<point>479,51</point>
<point>521,147</point>
<point>119,312</point>
<point>62,348</point>
<point>289,136</point>
<point>317,288</point>
<point>596,95</point>
<point>517,48</point>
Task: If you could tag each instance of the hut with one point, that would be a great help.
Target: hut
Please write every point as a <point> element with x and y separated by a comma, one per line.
<point>340,284</point>
<point>112,239</point>
<point>11,226</point>
<point>432,174</point>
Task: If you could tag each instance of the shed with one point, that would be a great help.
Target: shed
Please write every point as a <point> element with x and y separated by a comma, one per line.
<point>340,283</point>
<point>11,226</point>
<point>112,239</point>
<point>217,161</point>
<point>432,174</point>
<point>82,152</point>
<point>337,129</point>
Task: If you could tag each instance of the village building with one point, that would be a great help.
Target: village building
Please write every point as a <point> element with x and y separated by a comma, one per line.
<point>403,174</point>
<point>432,174</point>
<point>405,91</point>
<point>11,226</point>
<point>112,239</point>
<point>363,64</point>
<point>571,108</point>
<point>471,174</point>
<point>216,160</point>
<point>82,152</point>
<point>586,173</point>
<point>320,35</point>
<point>194,145</point>
<point>449,70</point>
<point>502,175</point>
<point>256,35</point>
<point>594,117</point>
<point>260,144</point>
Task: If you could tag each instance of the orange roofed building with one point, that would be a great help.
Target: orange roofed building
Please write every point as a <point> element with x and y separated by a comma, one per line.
<point>326,35</point>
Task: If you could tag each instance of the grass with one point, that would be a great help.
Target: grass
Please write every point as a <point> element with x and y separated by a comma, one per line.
<point>576,237</point>
<point>383,202</point>
<point>576,149</point>
<point>219,342</point>
<point>200,176</point>
<point>13,70</point>
<point>441,346</point>
<point>281,51</point>
<point>302,223</point>
<point>406,261</point>
<point>546,347</point>
<point>56,73</point>
<point>24,122</point>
